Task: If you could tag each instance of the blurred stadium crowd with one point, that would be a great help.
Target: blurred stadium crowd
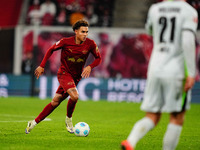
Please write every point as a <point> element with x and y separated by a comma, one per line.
<point>66,12</point>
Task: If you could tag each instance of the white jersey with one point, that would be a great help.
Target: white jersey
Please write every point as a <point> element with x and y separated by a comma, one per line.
<point>167,20</point>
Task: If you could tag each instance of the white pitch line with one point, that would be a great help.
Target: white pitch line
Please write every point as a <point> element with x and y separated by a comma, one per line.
<point>15,121</point>
<point>19,116</point>
<point>9,115</point>
<point>46,119</point>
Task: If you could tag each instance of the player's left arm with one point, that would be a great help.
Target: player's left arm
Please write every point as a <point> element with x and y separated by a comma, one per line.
<point>189,48</point>
<point>87,70</point>
<point>188,44</point>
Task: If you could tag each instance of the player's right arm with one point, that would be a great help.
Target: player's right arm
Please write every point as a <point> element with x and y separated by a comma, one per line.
<point>40,69</point>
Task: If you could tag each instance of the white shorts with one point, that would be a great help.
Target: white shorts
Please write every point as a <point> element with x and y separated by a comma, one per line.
<point>165,95</point>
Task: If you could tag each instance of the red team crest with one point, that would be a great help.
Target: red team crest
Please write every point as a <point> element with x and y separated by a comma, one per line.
<point>84,51</point>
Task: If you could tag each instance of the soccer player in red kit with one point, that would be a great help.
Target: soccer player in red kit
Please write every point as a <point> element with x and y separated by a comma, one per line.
<point>74,52</point>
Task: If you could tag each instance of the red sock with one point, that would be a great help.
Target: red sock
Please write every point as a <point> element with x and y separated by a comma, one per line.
<point>70,107</point>
<point>46,111</point>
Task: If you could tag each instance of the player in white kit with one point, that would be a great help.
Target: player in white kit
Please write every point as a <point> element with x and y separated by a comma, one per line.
<point>171,71</point>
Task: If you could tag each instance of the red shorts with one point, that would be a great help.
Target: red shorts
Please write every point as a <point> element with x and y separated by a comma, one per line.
<point>66,82</point>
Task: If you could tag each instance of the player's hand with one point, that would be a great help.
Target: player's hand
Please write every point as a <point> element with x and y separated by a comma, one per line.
<point>39,71</point>
<point>189,83</point>
<point>86,72</point>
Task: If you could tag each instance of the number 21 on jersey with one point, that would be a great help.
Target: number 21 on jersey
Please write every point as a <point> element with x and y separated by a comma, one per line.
<point>164,22</point>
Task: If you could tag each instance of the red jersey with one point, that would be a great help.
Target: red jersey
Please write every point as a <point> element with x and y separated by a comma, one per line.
<point>73,56</point>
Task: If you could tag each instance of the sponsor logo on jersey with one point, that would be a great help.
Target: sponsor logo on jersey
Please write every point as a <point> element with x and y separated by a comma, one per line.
<point>80,60</point>
<point>71,59</point>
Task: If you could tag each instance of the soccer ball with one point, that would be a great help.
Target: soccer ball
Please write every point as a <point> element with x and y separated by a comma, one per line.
<point>81,129</point>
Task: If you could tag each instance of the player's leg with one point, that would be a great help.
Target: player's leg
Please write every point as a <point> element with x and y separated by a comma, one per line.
<point>72,101</point>
<point>173,132</point>
<point>69,87</point>
<point>48,109</point>
<point>152,103</point>
<point>58,98</point>
<point>73,93</point>
<point>68,83</point>
<point>141,128</point>
<point>177,102</point>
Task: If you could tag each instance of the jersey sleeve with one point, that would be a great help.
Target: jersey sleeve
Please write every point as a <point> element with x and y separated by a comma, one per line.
<point>191,20</point>
<point>58,45</point>
<point>188,42</point>
<point>95,52</point>
<point>148,25</point>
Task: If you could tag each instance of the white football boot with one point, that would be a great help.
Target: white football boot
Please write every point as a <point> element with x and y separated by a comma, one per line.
<point>30,126</point>
<point>69,125</point>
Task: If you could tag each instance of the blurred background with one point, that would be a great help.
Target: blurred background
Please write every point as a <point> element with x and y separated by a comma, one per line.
<point>29,27</point>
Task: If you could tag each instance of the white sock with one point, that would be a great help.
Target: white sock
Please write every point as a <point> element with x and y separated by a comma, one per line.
<point>139,130</point>
<point>171,137</point>
<point>34,123</point>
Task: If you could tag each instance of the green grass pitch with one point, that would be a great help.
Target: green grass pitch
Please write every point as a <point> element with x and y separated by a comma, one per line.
<point>110,123</point>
